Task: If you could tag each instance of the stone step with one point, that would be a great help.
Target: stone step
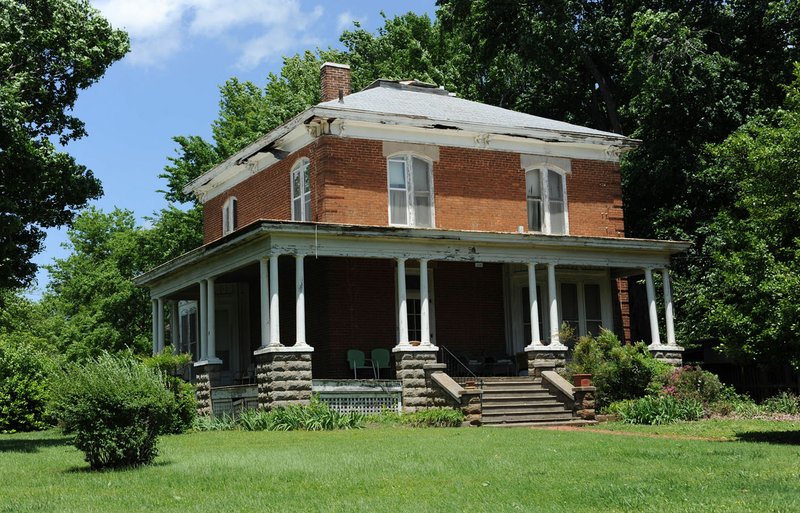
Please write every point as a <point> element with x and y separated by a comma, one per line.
<point>514,389</point>
<point>491,405</point>
<point>511,382</point>
<point>533,418</point>
<point>572,422</point>
<point>506,379</point>
<point>554,409</point>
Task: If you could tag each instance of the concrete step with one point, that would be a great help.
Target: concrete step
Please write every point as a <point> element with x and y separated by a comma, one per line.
<point>499,395</point>
<point>533,418</point>
<point>512,383</point>
<point>513,389</point>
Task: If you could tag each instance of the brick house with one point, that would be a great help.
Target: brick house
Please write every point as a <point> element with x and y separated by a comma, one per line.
<point>404,218</point>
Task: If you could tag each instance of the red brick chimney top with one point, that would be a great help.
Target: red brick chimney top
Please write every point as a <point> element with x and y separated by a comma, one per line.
<point>334,81</point>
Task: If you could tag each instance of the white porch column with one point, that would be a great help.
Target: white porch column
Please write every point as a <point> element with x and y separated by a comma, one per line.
<point>555,342</point>
<point>655,340</point>
<point>203,321</point>
<point>211,323</point>
<point>160,324</point>
<point>155,325</point>
<point>536,338</point>
<point>174,326</point>
<point>300,305</point>
<point>402,312</point>
<point>263,266</point>
<point>668,312</point>
<point>274,307</point>
<point>424,311</point>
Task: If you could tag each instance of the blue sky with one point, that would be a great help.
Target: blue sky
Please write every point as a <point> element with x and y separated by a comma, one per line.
<point>181,52</point>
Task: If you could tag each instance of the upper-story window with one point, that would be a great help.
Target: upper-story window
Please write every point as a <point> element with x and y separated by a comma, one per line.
<point>546,192</point>
<point>410,191</point>
<point>230,220</point>
<point>301,191</point>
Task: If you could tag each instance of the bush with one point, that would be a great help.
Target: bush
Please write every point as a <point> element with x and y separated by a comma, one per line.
<point>591,353</point>
<point>785,402</point>
<point>626,374</point>
<point>184,408</point>
<point>434,417</point>
<point>659,409</point>
<point>690,382</point>
<point>116,407</point>
<point>24,374</point>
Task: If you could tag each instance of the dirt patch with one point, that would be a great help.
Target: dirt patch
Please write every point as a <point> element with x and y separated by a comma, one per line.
<point>629,433</point>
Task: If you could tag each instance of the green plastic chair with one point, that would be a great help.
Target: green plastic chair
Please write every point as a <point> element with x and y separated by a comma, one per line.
<point>380,360</point>
<point>356,360</point>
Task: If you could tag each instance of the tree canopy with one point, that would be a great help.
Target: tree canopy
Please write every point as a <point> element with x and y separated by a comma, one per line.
<point>49,51</point>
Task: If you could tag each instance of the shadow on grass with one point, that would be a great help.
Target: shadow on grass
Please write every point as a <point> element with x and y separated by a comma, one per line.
<point>771,437</point>
<point>87,470</point>
<point>30,446</point>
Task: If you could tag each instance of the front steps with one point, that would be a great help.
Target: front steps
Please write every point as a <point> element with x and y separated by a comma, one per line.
<point>522,401</point>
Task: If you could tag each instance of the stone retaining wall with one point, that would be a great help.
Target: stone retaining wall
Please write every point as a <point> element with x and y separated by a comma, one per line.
<point>410,367</point>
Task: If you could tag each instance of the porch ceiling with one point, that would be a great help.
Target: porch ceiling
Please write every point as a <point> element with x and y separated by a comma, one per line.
<point>264,238</point>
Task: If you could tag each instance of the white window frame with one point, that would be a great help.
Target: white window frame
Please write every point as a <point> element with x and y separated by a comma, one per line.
<point>302,167</point>
<point>229,215</point>
<point>544,201</point>
<point>410,190</point>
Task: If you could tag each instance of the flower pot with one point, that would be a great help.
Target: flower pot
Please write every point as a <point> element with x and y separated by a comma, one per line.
<point>582,380</point>
<point>414,343</point>
<point>470,383</point>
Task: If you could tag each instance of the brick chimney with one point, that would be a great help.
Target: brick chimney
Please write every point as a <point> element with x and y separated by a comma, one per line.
<point>334,81</point>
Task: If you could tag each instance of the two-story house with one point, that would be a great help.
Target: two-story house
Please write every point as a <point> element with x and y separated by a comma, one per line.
<point>403,217</point>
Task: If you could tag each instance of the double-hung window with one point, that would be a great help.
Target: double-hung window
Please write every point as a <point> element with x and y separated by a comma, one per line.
<point>545,191</point>
<point>301,191</point>
<point>229,216</point>
<point>410,191</point>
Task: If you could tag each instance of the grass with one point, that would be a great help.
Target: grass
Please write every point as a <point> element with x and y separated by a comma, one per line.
<point>403,469</point>
<point>753,430</point>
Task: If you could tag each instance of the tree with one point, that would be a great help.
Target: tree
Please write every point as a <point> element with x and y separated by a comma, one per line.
<point>748,294</point>
<point>49,51</point>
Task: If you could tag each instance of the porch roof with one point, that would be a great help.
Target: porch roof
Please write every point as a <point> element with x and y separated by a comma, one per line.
<point>269,237</point>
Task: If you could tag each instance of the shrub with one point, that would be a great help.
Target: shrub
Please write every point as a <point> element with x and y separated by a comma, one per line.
<point>591,353</point>
<point>785,402</point>
<point>626,374</point>
<point>659,409</point>
<point>24,374</point>
<point>690,382</point>
<point>185,405</point>
<point>434,417</point>
<point>116,407</point>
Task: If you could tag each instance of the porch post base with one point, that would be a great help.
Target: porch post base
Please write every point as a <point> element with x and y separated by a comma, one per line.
<point>207,376</point>
<point>672,355</point>
<point>283,377</point>
<point>543,358</point>
<point>410,367</point>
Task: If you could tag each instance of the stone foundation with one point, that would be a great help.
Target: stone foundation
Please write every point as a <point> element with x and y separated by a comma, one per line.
<point>410,367</point>
<point>545,359</point>
<point>283,377</point>
<point>469,402</point>
<point>672,355</point>
<point>206,377</point>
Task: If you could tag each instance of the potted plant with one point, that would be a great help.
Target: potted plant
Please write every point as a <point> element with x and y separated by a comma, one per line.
<point>582,380</point>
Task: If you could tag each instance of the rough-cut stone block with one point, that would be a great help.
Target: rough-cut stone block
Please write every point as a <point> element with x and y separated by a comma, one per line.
<point>283,378</point>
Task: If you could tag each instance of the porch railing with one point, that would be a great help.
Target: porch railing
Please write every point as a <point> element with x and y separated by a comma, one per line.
<point>459,370</point>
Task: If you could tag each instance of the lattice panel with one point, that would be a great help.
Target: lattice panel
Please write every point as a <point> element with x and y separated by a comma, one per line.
<point>364,403</point>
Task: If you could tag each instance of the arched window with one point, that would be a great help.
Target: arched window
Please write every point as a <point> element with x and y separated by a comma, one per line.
<point>546,194</point>
<point>230,220</point>
<point>301,191</point>
<point>410,181</point>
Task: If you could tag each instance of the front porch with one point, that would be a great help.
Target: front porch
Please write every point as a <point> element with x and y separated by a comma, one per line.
<point>327,289</point>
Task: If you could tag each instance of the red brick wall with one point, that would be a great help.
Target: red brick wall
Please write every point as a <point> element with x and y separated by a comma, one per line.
<point>470,314</point>
<point>474,190</point>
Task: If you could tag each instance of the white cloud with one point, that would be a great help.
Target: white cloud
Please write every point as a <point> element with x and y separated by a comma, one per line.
<point>345,21</point>
<point>257,29</point>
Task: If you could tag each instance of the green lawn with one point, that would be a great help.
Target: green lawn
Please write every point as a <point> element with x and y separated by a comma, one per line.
<point>416,470</point>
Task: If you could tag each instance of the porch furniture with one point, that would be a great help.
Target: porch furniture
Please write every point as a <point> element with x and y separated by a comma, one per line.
<point>380,360</point>
<point>356,360</point>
